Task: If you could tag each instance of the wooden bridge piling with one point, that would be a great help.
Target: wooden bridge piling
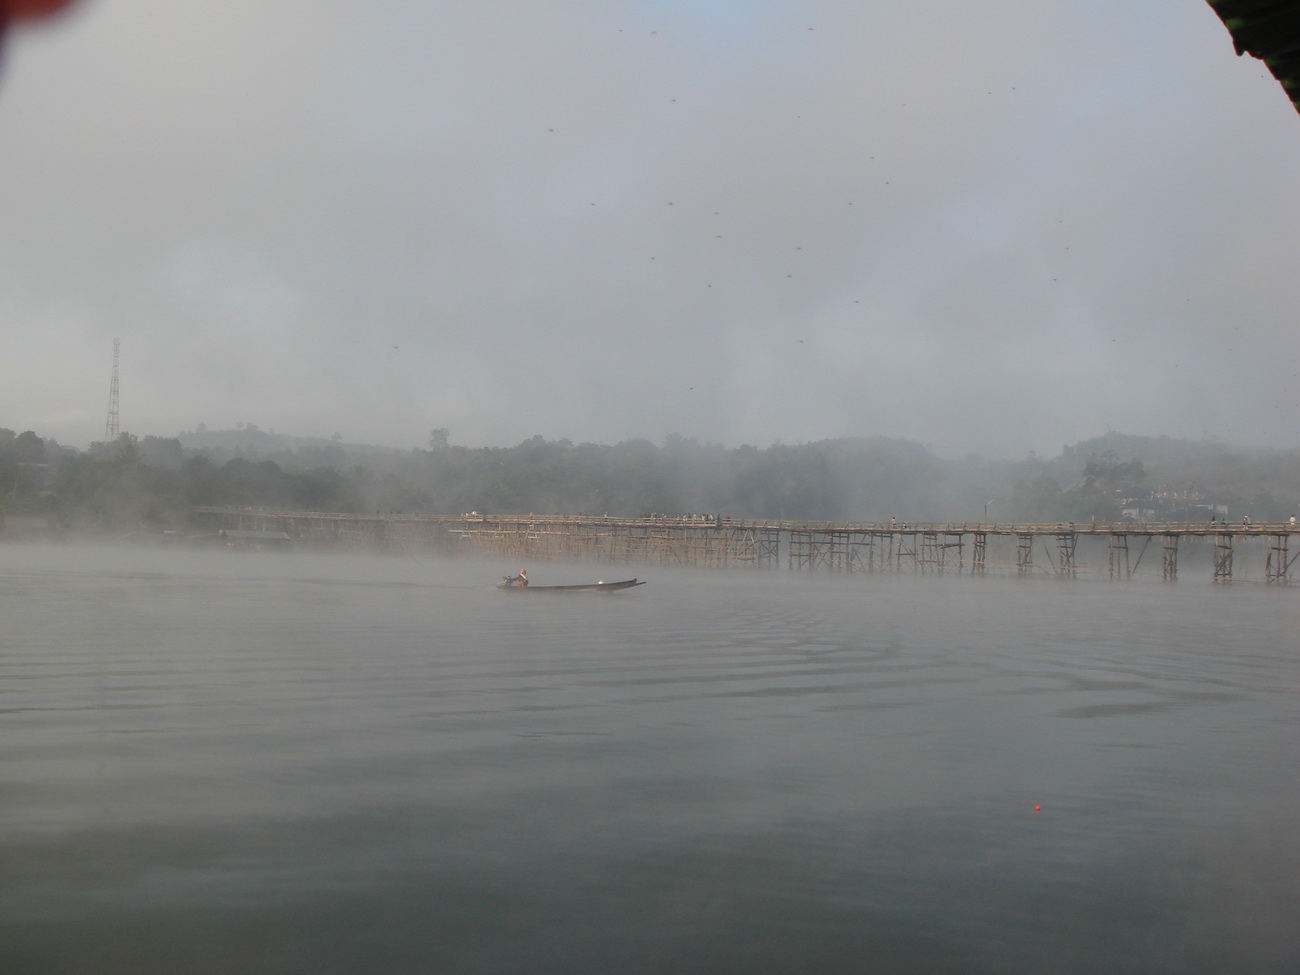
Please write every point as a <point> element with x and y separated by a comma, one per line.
<point>1277,566</point>
<point>799,546</point>
<point>1025,553</point>
<point>1223,557</point>
<point>1065,544</point>
<point>1117,556</point>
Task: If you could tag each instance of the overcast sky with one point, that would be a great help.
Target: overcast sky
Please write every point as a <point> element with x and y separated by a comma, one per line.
<point>992,226</point>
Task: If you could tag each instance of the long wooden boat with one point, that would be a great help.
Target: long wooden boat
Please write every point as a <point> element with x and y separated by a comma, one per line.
<point>587,587</point>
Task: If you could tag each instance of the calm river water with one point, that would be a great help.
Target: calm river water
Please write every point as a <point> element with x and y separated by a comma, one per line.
<point>243,763</point>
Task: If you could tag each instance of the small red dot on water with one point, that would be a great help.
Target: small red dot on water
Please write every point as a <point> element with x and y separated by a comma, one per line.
<point>1038,809</point>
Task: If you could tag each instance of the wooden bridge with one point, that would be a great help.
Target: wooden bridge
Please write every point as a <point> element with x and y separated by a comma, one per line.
<point>935,547</point>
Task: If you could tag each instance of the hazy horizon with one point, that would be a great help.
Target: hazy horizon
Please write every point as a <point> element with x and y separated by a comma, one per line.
<point>987,228</point>
<point>943,454</point>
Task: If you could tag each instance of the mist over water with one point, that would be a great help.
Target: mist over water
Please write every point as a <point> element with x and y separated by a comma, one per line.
<point>231,762</point>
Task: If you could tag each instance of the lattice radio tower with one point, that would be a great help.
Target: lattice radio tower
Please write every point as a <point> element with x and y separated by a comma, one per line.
<point>110,426</point>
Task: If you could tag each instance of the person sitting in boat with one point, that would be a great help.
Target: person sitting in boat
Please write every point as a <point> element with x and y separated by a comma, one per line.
<point>520,580</point>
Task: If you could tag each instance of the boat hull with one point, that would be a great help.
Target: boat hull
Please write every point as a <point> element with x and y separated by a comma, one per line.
<point>588,587</point>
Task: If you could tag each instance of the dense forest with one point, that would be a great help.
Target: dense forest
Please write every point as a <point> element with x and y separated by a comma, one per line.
<point>153,483</point>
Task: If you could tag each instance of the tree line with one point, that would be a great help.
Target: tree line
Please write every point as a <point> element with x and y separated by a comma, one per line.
<point>154,483</point>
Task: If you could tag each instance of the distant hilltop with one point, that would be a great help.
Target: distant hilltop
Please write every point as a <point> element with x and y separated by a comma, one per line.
<point>151,481</point>
<point>250,439</point>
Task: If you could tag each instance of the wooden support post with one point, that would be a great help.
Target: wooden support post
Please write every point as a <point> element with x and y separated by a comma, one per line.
<point>1275,568</point>
<point>808,549</point>
<point>885,553</point>
<point>906,549</point>
<point>794,555</point>
<point>1065,543</point>
<point>931,555</point>
<point>859,550</point>
<point>952,550</point>
<point>1169,566</point>
<point>1223,544</point>
<point>1117,557</point>
<point>824,549</point>
<point>1024,554</point>
<point>977,553</point>
<point>1287,563</point>
<point>842,553</point>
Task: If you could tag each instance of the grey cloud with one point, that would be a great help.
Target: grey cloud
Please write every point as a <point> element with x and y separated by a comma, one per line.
<point>990,227</point>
